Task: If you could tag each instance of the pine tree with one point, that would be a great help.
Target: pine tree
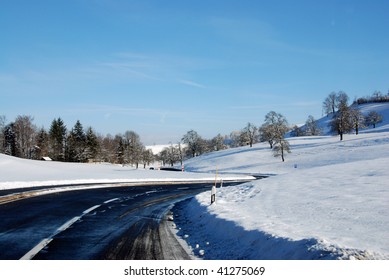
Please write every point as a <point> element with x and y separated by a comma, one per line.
<point>91,144</point>
<point>120,149</point>
<point>10,147</point>
<point>57,135</point>
<point>2,127</point>
<point>42,144</point>
<point>76,144</point>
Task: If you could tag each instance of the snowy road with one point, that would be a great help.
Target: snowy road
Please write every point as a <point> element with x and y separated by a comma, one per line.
<point>111,223</point>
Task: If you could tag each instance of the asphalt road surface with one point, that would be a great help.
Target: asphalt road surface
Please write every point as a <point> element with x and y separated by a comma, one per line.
<point>109,223</point>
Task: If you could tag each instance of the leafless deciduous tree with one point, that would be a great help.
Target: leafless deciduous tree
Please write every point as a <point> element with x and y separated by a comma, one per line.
<point>311,127</point>
<point>281,147</point>
<point>274,128</point>
<point>333,101</point>
<point>250,133</point>
<point>341,122</point>
<point>357,119</point>
<point>373,118</point>
<point>25,133</point>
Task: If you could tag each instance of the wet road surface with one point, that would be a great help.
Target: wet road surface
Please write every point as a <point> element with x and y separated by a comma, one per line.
<point>109,223</point>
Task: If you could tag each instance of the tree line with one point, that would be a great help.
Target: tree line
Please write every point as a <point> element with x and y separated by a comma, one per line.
<point>23,139</point>
<point>272,131</point>
<point>345,118</point>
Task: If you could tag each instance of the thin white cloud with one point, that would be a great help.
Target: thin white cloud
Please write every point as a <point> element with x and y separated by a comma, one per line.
<point>191,83</point>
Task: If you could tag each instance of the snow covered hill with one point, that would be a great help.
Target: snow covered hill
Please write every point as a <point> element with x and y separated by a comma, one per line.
<point>330,199</point>
<point>380,108</point>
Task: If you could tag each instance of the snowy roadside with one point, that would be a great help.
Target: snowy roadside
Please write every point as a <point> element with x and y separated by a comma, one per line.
<point>16,173</point>
<point>334,205</point>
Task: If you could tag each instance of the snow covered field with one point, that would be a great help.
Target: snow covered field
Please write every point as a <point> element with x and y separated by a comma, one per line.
<point>22,173</point>
<point>329,200</point>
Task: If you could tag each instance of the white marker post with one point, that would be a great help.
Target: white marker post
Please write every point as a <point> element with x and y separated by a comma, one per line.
<point>213,191</point>
<point>213,194</point>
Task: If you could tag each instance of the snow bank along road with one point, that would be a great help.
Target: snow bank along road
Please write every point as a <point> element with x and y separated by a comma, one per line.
<point>103,223</point>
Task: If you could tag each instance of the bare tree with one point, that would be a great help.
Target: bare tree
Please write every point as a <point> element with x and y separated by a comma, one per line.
<point>329,104</point>
<point>194,142</point>
<point>250,132</point>
<point>373,118</point>
<point>341,122</point>
<point>147,157</point>
<point>218,143</point>
<point>133,148</point>
<point>357,119</point>
<point>274,128</point>
<point>333,101</point>
<point>281,147</point>
<point>297,131</point>
<point>25,133</point>
<point>311,127</point>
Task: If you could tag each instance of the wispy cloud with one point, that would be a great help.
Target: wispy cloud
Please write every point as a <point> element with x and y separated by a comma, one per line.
<point>108,112</point>
<point>132,69</point>
<point>191,83</point>
<point>300,104</point>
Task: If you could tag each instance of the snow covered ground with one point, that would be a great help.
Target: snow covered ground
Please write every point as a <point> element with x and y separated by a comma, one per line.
<point>329,200</point>
<point>22,173</point>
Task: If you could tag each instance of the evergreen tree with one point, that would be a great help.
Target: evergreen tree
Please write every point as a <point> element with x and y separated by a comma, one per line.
<point>76,143</point>
<point>2,127</point>
<point>10,147</point>
<point>42,144</point>
<point>120,149</point>
<point>91,144</point>
<point>57,136</point>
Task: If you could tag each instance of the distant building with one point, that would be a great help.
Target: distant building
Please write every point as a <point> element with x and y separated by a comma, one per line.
<point>46,159</point>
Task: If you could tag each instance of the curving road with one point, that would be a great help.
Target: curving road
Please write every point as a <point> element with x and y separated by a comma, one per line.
<point>106,223</point>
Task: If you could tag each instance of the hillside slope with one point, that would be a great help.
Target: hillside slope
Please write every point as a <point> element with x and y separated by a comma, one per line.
<point>328,200</point>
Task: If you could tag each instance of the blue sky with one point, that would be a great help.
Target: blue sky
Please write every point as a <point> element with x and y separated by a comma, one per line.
<point>162,68</point>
